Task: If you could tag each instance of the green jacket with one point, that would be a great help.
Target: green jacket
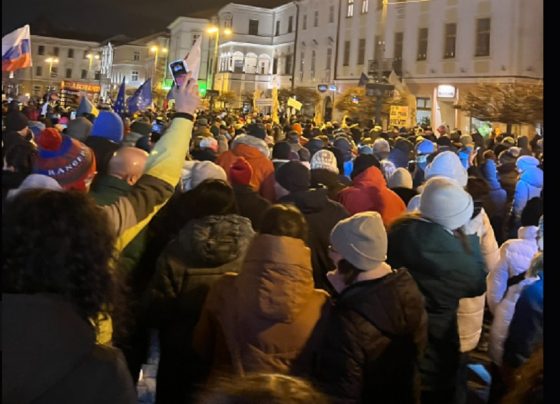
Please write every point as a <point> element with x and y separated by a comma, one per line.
<point>445,272</point>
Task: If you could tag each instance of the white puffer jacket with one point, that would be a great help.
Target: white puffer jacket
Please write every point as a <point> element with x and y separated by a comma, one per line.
<point>471,310</point>
<point>515,258</point>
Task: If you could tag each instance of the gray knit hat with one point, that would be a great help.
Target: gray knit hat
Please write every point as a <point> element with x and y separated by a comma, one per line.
<point>361,240</point>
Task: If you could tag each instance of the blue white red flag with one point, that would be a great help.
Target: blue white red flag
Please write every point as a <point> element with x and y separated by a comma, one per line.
<point>16,50</point>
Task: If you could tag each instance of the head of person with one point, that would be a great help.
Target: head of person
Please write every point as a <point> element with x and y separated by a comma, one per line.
<point>292,177</point>
<point>16,121</point>
<point>325,160</point>
<point>61,243</point>
<point>532,212</point>
<point>213,197</point>
<point>445,202</point>
<point>195,172</point>
<point>128,164</point>
<point>108,125</point>
<point>260,388</point>
<point>285,220</point>
<point>381,148</point>
<point>19,158</point>
<point>358,244</point>
<point>362,163</point>
<point>67,160</point>
<point>447,164</point>
<point>401,178</point>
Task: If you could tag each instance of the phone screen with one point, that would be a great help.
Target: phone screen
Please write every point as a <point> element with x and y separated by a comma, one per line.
<point>179,71</point>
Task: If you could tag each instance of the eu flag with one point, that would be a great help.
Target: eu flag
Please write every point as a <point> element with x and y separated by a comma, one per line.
<point>119,106</point>
<point>142,98</point>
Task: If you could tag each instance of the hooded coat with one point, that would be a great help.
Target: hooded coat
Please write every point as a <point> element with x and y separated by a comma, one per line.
<point>204,250</point>
<point>508,178</point>
<point>49,355</point>
<point>445,272</point>
<point>321,214</point>
<point>256,153</point>
<point>251,205</point>
<point>263,320</point>
<point>529,186</point>
<point>369,192</point>
<point>373,341</point>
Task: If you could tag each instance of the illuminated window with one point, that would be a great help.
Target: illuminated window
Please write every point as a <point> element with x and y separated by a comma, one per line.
<point>365,4</point>
<point>350,9</point>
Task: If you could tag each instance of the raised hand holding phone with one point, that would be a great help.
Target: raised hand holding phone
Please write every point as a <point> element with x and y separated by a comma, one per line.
<point>186,95</point>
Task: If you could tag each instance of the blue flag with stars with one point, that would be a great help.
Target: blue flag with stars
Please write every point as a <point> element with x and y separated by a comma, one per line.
<point>142,98</point>
<point>119,106</point>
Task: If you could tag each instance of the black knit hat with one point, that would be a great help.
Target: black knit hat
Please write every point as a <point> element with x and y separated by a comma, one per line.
<point>256,130</point>
<point>16,121</point>
<point>363,162</point>
<point>281,151</point>
<point>293,176</point>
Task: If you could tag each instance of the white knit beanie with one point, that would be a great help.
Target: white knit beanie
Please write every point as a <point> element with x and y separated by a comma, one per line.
<point>447,164</point>
<point>200,171</point>
<point>361,240</point>
<point>444,202</point>
<point>35,181</point>
<point>324,159</point>
<point>401,178</point>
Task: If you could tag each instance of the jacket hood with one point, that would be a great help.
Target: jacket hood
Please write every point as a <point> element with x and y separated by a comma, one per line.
<point>276,280</point>
<point>251,141</point>
<point>528,233</point>
<point>533,176</point>
<point>43,340</point>
<point>214,240</point>
<point>491,174</point>
<point>311,201</point>
<point>393,303</point>
<point>371,176</point>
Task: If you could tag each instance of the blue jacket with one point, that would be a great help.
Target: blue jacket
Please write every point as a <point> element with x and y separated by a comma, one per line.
<point>526,327</point>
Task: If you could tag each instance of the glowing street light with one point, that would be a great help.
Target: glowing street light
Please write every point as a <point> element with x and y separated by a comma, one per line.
<point>216,30</point>
<point>51,61</point>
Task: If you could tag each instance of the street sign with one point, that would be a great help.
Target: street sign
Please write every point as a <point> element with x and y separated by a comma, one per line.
<point>322,88</point>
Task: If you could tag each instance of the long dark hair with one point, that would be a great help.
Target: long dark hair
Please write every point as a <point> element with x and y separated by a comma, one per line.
<point>61,243</point>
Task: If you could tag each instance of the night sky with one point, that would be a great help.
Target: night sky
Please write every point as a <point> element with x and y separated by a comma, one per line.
<point>105,18</point>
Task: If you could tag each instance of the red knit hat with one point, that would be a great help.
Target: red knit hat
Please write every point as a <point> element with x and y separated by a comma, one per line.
<point>297,127</point>
<point>240,172</point>
<point>67,160</point>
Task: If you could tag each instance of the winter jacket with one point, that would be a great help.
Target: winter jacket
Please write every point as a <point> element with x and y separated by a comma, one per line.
<point>496,204</point>
<point>373,341</point>
<point>263,319</point>
<point>471,309</point>
<point>406,194</point>
<point>250,204</point>
<point>515,258</point>
<point>445,272</point>
<point>205,249</point>
<point>130,213</point>
<point>526,327</point>
<point>256,152</point>
<point>321,215</point>
<point>369,192</point>
<point>49,355</point>
<point>321,178</point>
<point>529,186</point>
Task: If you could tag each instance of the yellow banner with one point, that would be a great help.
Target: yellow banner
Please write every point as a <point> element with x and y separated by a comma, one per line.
<point>292,102</point>
<point>398,116</point>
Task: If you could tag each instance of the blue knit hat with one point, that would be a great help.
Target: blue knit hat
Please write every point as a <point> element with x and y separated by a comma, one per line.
<point>108,125</point>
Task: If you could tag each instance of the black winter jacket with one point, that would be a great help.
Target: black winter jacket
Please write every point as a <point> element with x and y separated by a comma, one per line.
<point>373,341</point>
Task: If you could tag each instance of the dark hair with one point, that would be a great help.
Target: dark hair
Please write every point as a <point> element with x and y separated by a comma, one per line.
<point>21,156</point>
<point>478,188</point>
<point>62,243</point>
<point>262,388</point>
<point>362,163</point>
<point>532,212</point>
<point>212,197</point>
<point>284,220</point>
<point>348,271</point>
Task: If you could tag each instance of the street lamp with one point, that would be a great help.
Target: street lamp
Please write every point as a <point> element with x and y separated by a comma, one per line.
<point>156,49</point>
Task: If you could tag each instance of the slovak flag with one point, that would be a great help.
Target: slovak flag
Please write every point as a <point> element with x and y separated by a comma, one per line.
<point>16,50</point>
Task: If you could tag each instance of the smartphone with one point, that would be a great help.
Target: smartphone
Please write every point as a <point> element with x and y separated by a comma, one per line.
<point>179,71</point>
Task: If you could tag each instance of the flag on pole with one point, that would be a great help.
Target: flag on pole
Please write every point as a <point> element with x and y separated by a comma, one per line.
<point>141,99</point>
<point>119,106</point>
<point>193,58</point>
<point>16,50</point>
<point>86,107</point>
<point>363,80</point>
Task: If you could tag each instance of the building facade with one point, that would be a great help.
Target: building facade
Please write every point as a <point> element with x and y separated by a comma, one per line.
<point>441,49</point>
<point>57,60</point>
<point>258,53</point>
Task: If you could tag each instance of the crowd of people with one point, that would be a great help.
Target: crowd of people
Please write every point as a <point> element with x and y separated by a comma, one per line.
<point>278,262</point>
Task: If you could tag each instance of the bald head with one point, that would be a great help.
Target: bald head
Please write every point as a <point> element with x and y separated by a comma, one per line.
<point>128,164</point>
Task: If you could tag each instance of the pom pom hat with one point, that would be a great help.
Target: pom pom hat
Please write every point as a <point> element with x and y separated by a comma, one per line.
<point>67,160</point>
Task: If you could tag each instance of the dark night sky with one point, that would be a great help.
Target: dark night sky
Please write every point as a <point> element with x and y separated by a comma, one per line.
<point>105,18</point>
